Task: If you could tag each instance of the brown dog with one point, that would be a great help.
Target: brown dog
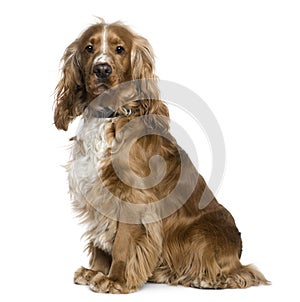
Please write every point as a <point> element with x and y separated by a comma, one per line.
<point>136,190</point>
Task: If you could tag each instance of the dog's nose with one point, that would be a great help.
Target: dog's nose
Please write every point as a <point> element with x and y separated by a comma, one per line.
<point>102,71</point>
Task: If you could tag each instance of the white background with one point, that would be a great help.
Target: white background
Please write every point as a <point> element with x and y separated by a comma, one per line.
<point>241,57</point>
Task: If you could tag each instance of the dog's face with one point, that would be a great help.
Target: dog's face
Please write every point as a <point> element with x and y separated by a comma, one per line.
<point>105,53</point>
<point>101,58</point>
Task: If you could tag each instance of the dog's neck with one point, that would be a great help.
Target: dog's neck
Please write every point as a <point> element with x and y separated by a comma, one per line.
<point>107,112</point>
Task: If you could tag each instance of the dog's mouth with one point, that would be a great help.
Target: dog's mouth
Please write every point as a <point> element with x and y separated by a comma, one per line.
<point>110,99</point>
<point>101,106</point>
<point>100,88</point>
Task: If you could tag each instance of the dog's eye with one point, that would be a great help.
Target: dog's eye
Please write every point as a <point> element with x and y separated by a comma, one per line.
<point>89,48</point>
<point>120,50</point>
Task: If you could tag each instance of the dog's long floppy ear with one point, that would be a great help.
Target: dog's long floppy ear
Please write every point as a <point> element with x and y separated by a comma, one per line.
<point>142,69</point>
<point>69,90</point>
<point>142,59</point>
<point>143,65</point>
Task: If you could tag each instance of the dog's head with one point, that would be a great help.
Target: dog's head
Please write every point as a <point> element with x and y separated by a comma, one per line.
<point>104,56</point>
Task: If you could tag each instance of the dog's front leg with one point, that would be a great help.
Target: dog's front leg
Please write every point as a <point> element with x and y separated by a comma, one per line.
<point>134,256</point>
<point>99,262</point>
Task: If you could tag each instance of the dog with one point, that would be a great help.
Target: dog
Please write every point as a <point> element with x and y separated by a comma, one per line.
<point>134,188</point>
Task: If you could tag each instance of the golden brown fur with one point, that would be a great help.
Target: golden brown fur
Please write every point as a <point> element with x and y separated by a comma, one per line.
<point>192,247</point>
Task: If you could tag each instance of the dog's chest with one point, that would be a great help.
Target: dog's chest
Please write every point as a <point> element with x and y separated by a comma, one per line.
<point>84,170</point>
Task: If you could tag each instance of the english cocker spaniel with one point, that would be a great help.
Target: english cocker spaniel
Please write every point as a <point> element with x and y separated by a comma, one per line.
<point>134,188</point>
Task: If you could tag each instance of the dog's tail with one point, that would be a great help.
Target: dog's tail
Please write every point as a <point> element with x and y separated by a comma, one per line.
<point>244,276</point>
<point>235,275</point>
<point>228,272</point>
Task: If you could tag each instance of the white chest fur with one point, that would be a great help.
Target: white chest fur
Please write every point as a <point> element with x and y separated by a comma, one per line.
<point>84,171</point>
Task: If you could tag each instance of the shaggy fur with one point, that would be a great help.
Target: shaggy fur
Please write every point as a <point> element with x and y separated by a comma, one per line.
<point>192,246</point>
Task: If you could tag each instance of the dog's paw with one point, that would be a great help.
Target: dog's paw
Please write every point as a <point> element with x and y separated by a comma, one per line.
<point>102,284</point>
<point>83,276</point>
